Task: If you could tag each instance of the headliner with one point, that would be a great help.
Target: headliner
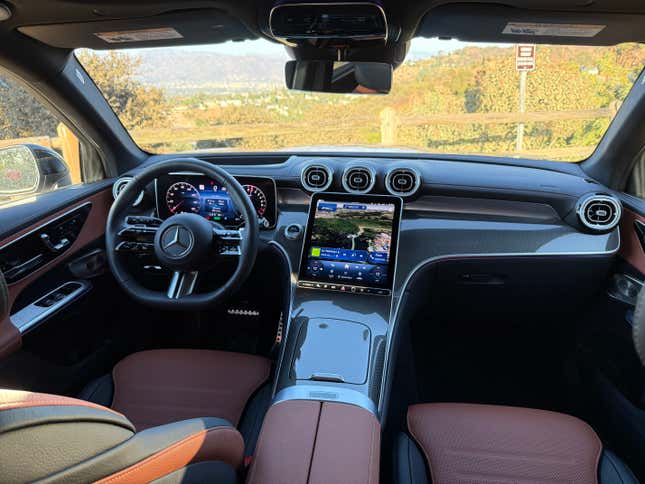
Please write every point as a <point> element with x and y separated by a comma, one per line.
<point>73,23</point>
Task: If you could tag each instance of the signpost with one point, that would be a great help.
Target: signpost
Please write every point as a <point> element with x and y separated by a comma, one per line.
<point>524,62</point>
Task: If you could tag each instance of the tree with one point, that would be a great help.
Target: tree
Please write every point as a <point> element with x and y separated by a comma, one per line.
<point>136,105</point>
<point>21,114</point>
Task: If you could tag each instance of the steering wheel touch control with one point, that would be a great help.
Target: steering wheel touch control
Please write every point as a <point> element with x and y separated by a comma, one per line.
<point>185,244</point>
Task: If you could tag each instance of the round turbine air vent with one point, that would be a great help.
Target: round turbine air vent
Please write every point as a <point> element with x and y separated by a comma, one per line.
<point>402,182</point>
<point>316,177</point>
<point>358,179</point>
<point>599,212</point>
<point>120,185</point>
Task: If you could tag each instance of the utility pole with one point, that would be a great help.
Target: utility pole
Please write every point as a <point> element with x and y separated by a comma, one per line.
<point>519,142</point>
<point>524,62</point>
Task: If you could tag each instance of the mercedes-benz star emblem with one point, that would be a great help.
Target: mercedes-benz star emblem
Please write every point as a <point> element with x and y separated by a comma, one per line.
<point>176,241</point>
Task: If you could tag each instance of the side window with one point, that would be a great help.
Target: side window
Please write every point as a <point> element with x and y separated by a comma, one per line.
<point>38,153</point>
<point>636,182</point>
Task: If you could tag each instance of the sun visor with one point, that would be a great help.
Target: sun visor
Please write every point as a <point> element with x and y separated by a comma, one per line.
<point>488,23</point>
<point>206,26</point>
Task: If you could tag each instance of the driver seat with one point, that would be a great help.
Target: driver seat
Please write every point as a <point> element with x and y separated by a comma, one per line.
<point>157,387</point>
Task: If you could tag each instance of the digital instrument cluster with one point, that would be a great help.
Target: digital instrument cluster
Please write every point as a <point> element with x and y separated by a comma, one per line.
<point>188,193</point>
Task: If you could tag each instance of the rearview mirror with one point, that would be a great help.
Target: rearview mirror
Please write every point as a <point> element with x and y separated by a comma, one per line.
<point>28,169</point>
<point>339,77</point>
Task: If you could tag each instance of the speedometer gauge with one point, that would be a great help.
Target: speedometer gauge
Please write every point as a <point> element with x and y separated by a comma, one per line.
<point>182,197</point>
<point>258,198</point>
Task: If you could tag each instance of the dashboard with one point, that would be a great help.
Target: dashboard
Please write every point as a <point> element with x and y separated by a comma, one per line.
<point>195,193</point>
<point>311,207</point>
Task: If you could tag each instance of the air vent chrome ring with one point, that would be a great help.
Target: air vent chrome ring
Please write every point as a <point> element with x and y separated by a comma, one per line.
<point>316,177</point>
<point>402,182</point>
<point>599,212</point>
<point>120,185</point>
<point>358,179</point>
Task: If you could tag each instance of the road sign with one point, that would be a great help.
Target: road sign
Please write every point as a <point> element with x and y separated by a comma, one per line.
<point>525,57</point>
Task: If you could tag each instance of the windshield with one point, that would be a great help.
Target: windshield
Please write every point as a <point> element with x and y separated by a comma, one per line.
<point>448,97</point>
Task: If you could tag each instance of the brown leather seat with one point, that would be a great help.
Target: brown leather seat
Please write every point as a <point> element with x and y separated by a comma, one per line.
<point>157,387</point>
<point>51,438</point>
<point>161,386</point>
<point>464,443</point>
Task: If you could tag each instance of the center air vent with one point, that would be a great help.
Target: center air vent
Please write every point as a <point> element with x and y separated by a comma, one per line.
<point>358,179</point>
<point>599,212</point>
<point>402,182</point>
<point>316,177</point>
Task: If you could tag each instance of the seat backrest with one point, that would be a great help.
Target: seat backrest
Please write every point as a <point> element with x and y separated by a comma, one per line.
<point>51,438</point>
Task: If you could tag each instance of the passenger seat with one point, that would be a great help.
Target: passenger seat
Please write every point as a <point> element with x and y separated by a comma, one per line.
<point>484,444</point>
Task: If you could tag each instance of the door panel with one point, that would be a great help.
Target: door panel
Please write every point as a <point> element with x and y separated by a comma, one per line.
<point>612,386</point>
<point>631,249</point>
<point>92,228</point>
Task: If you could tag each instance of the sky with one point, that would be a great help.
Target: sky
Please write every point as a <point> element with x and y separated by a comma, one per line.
<point>420,47</point>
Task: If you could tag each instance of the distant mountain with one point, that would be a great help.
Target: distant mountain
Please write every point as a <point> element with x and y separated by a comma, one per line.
<point>183,72</point>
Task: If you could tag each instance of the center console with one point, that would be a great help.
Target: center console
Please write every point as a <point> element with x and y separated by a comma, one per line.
<point>329,443</point>
<point>342,300</point>
<point>331,366</point>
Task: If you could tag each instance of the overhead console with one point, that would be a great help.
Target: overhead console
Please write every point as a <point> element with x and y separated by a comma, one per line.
<point>350,243</point>
<point>346,20</point>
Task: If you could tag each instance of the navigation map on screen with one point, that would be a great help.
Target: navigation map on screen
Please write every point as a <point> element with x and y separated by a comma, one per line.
<point>350,243</point>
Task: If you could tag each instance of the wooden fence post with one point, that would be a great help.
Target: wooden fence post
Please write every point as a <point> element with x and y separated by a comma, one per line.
<point>388,126</point>
<point>71,152</point>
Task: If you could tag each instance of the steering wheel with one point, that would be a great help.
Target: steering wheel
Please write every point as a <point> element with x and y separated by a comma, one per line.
<point>185,243</point>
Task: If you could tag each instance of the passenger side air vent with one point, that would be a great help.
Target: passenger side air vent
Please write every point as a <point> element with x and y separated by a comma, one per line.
<point>402,182</point>
<point>120,185</point>
<point>358,179</point>
<point>316,177</point>
<point>599,212</point>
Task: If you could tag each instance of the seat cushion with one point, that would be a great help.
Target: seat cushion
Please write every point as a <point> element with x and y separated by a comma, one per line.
<point>157,387</point>
<point>482,444</point>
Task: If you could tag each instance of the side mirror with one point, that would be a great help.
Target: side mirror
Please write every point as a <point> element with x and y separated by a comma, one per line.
<point>29,169</point>
<point>339,77</point>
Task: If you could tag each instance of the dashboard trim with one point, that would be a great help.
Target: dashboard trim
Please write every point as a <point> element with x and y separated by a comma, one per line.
<point>324,393</point>
<point>287,325</point>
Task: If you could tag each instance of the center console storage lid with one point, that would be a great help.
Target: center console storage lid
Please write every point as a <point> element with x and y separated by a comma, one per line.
<point>332,350</point>
<point>312,442</point>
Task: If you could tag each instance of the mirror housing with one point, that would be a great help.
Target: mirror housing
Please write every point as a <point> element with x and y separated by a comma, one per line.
<point>29,169</point>
<point>339,77</point>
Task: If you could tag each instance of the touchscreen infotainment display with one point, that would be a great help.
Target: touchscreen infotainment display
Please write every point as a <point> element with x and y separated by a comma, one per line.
<point>351,241</point>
